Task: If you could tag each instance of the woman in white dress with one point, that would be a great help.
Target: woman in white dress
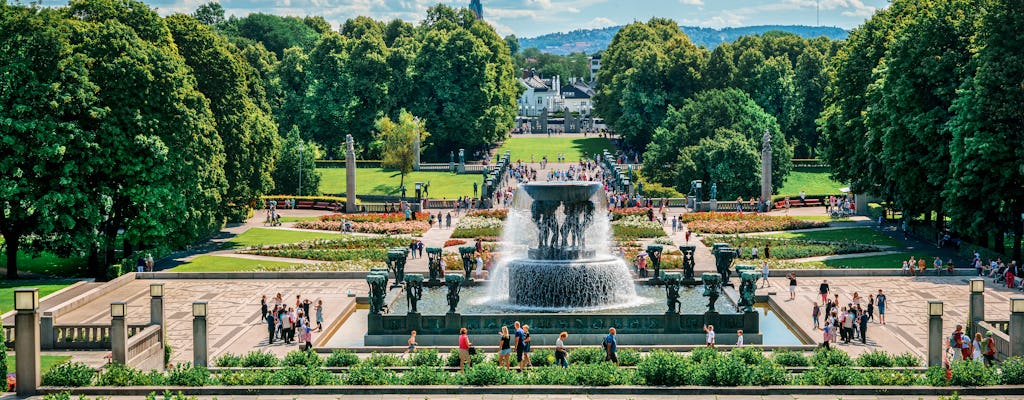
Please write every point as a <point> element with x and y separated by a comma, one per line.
<point>976,345</point>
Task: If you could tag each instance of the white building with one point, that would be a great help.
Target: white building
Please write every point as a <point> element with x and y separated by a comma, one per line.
<point>540,94</point>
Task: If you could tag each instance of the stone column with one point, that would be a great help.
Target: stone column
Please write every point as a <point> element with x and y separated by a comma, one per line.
<point>26,341</point>
<point>934,333</point>
<point>977,306</point>
<point>766,167</point>
<point>118,332</point>
<point>156,307</point>
<point>200,352</point>
<point>1016,326</point>
<point>462,161</point>
<point>350,175</point>
<point>46,331</point>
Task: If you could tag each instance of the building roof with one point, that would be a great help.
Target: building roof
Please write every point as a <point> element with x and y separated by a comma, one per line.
<point>535,83</point>
<point>577,90</point>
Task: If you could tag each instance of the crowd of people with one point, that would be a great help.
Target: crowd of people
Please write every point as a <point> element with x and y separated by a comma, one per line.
<point>849,322</point>
<point>519,341</point>
<point>292,323</point>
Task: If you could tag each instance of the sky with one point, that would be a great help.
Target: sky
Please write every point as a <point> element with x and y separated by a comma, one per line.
<point>530,18</point>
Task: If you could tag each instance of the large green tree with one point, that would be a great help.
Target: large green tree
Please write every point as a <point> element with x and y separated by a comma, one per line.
<point>726,160</point>
<point>295,155</point>
<point>398,138</point>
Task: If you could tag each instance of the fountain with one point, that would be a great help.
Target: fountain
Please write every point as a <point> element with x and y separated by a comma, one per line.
<point>559,269</point>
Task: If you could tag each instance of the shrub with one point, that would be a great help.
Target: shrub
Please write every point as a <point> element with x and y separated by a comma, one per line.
<point>453,358</point>
<point>342,358</point>
<point>702,354</point>
<point>935,376</point>
<point>587,355</point>
<point>71,374</point>
<point>600,374</point>
<point>252,377</point>
<point>300,358</point>
<point>972,373</point>
<point>259,358</point>
<point>541,358</point>
<point>382,360</point>
<point>726,371</point>
<point>768,374</point>
<point>367,375</point>
<point>906,360</point>
<point>188,375</point>
<point>664,368</point>
<point>549,376</point>
<point>1013,371</point>
<point>228,360</point>
<point>831,358</point>
<point>487,374</point>
<point>788,358</point>
<point>426,357</point>
<point>885,377</point>
<point>302,376</point>
<point>425,375</point>
<point>831,376</point>
<point>875,358</point>
<point>629,357</point>
<point>749,355</point>
<point>122,375</point>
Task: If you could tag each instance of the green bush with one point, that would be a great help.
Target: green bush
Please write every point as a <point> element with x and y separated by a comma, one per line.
<point>600,374</point>
<point>875,358</point>
<point>906,360</point>
<point>830,358</point>
<point>425,357</point>
<point>166,395</point>
<point>487,374</point>
<point>259,358</point>
<point>664,368</point>
<point>702,354</point>
<point>1013,371</point>
<point>972,373</point>
<point>121,375</point>
<point>549,376</point>
<point>935,376</point>
<point>749,355</point>
<point>768,374</point>
<point>423,375</point>
<point>540,358</point>
<point>453,358</point>
<point>822,375</point>
<point>726,371</point>
<point>300,358</point>
<point>71,374</point>
<point>886,377</point>
<point>303,376</point>
<point>252,377</point>
<point>383,360</point>
<point>188,375</point>
<point>367,375</point>
<point>342,358</point>
<point>228,360</point>
<point>788,358</point>
<point>587,355</point>
<point>628,357</point>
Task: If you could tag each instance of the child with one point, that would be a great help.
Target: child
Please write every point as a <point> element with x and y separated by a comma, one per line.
<point>412,343</point>
<point>739,338</point>
<point>710,329</point>
<point>816,312</point>
<point>826,335</point>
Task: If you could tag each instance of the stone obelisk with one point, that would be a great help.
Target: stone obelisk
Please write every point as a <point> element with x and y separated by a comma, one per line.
<point>766,170</point>
<point>350,175</point>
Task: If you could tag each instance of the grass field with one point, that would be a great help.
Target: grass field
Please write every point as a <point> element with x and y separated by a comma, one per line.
<point>378,181</point>
<point>813,181</point>
<point>573,147</point>
<point>45,288</point>
<point>883,261</point>
<point>258,236</point>
<point>226,264</point>
<point>48,264</point>
<point>45,362</point>
<point>855,235</point>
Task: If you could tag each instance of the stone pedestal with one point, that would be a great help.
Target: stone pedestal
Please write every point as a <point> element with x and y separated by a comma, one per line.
<point>200,350</point>
<point>156,314</point>
<point>118,340</point>
<point>1016,334</point>
<point>935,340</point>
<point>977,311</point>
<point>26,350</point>
<point>416,153</point>
<point>766,166</point>
<point>714,205</point>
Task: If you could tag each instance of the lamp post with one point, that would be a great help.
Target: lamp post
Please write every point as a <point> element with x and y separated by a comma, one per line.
<point>301,149</point>
<point>934,333</point>
<point>118,332</point>
<point>199,342</point>
<point>1016,326</point>
<point>977,306</point>
<point>26,341</point>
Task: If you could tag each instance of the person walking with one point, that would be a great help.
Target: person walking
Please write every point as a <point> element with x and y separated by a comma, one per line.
<point>871,307</point>
<point>271,325</point>
<point>959,341</point>
<point>989,346</point>
<point>739,338</point>
<point>863,327</point>
<point>610,347</point>
<point>287,326</point>
<point>880,301</point>
<point>520,345</point>
<point>848,320</point>
<point>464,345</point>
<point>976,347</point>
<point>792,285</point>
<point>411,343</point>
<point>823,290</point>
<point>525,361</point>
<point>764,272</point>
<point>767,251</point>
<point>504,347</point>
<point>263,307</point>
<point>815,313</point>
<point>561,355</point>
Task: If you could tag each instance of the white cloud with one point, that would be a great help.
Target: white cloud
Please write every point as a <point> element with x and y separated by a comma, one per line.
<point>723,20</point>
<point>599,22</point>
<point>692,2</point>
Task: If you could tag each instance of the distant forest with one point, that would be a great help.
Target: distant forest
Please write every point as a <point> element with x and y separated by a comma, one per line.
<point>594,40</point>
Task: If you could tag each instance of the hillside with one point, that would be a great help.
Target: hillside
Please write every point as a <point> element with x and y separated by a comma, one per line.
<point>593,40</point>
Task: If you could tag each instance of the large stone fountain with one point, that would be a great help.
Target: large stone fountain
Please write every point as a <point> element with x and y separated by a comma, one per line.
<point>562,268</point>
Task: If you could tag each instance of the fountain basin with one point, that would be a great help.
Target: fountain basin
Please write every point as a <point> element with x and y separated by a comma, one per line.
<point>562,191</point>
<point>564,284</point>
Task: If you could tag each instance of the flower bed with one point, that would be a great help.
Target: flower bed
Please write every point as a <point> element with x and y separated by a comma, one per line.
<point>349,248</point>
<point>620,213</point>
<point>454,242</point>
<point>720,223</point>
<point>636,227</point>
<point>789,248</point>
<point>373,217</point>
<point>385,228</point>
<point>471,227</point>
<point>501,214</point>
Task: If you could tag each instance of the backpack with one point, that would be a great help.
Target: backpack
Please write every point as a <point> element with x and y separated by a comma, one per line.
<point>952,341</point>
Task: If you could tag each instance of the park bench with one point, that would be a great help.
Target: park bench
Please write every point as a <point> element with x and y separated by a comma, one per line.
<point>306,204</point>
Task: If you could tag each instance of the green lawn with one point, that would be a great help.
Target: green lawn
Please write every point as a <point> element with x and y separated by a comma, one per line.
<point>299,219</point>
<point>813,181</point>
<point>48,264</point>
<point>855,235</point>
<point>258,236</point>
<point>45,288</point>
<point>573,147</point>
<point>226,264</point>
<point>45,362</point>
<point>377,181</point>
<point>883,261</point>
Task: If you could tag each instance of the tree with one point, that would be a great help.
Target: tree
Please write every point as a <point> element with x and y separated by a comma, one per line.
<point>398,138</point>
<point>809,83</point>
<point>725,159</point>
<point>297,154</point>
<point>211,13</point>
<point>984,192</point>
<point>513,44</point>
<point>45,96</point>
<point>275,32</point>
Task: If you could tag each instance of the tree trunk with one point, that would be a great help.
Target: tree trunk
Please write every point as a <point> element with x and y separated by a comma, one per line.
<point>999,242</point>
<point>1018,230</point>
<point>94,263</point>
<point>13,242</point>
<point>128,250</point>
<point>940,221</point>
<point>109,251</point>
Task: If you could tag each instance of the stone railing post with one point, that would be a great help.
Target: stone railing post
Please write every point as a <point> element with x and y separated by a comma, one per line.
<point>977,306</point>
<point>200,352</point>
<point>934,333</point>
<point>26,341</point>
<point>1016,330</point>
<point>46,331</point>
<point>118,332</point>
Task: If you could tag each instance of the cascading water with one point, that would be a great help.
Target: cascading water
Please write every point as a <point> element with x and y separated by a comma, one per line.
<point>557,239</point>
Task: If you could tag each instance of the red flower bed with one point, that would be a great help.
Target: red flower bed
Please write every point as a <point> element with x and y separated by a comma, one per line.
<point>454,242</point>
<point>717,223</point>
<point>373,217</point>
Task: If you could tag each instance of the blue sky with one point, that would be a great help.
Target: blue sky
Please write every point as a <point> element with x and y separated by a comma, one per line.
<point>528,18</point>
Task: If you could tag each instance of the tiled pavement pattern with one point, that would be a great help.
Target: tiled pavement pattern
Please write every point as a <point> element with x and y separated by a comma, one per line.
<point>906,328</point>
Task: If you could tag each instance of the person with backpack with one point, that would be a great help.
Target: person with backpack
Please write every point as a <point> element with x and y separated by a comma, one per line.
<point>989,348</point>
<point>610,347</point>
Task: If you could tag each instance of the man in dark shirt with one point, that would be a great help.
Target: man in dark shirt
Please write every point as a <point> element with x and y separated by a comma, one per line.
<point>823,290</point>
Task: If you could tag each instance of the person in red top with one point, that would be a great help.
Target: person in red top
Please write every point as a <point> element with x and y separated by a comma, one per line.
<point>464,360</point>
